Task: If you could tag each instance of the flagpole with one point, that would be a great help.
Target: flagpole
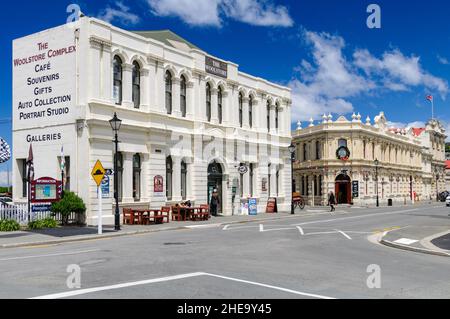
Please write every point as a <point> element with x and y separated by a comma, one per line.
<point>432,109</point>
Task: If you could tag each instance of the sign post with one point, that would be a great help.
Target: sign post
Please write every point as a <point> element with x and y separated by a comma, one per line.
<point>98,173</point>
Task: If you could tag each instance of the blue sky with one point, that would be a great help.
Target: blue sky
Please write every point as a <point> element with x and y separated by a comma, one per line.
<point>322,49</point>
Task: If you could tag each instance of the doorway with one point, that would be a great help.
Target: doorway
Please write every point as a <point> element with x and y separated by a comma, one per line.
<point>343,189</point>
<point>215,178</point>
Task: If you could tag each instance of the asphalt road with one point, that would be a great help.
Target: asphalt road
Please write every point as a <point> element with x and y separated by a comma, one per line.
<point>325,256</point>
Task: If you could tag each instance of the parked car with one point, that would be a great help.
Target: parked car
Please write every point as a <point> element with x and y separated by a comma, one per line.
<point>6,199</point>
<point>447,201</point>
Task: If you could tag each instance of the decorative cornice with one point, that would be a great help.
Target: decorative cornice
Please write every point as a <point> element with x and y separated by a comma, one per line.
<point>97,41</point>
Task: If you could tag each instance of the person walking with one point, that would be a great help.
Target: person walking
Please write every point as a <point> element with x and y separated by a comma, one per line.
<point>331,201</point>
<point>215,201</point>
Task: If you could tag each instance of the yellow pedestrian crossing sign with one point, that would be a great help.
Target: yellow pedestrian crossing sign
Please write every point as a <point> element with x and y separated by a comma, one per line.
<point>98,172</point>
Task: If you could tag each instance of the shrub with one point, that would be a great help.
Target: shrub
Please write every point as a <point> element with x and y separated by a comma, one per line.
<point>70,203</point>
<point>42,223</point>
<point>9,225</point>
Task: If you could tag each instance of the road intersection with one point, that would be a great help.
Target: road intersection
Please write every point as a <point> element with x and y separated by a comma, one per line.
<point>314,256</point>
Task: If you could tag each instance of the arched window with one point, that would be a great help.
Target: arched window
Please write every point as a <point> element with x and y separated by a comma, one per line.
<point>268,116</point>
<point>117,80</point>
<point>183,180</point>
<point>208,102</point>
<point>342,142</point>
<point>277,111</point>
<point>119,175</point>
<point>136,85</point>
<point>169,173</point>
<point>183,96</point>
<point>137,177</point>
<point>168,92</point>
<point>250,111</point>
<point>219,104</point>
<point>241,101</point>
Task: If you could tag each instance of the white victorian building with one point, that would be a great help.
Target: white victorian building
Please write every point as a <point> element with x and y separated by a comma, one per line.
<point>189,119</point>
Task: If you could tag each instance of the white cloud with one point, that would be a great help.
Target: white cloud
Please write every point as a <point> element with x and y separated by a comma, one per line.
<point>443,60</point>
<point>4,178</point>
<point>213,12</point>
<point>328,82</point>
<point>120,13</point>
<point>397,72</point>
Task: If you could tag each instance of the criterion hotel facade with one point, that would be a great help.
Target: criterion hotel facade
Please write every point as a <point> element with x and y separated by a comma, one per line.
<point>190,120</point>
<point>340,156</point>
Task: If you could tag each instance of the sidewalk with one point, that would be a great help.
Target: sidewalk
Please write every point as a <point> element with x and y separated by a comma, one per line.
<point>73,234</point>
<point>433,240</point>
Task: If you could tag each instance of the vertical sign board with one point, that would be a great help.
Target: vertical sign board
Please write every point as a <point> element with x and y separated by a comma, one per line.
<point>44,80</point>
<point>272,206</point>
<point>158,185</point>
<point>355,189</point>
<point>252,207</point>
<point>105,186</point>
<point>98,174</point>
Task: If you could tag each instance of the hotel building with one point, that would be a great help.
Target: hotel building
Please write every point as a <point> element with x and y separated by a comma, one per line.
<point>340,157</point>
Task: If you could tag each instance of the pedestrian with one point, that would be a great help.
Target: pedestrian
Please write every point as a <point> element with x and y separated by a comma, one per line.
<point>215,201</point>
<point>331,201</point>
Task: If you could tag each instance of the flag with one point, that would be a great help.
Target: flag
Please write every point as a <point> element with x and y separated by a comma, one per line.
<point>5,151</point>
<point>30,164</point>
<point>430,98</point>
<point>63,159</point>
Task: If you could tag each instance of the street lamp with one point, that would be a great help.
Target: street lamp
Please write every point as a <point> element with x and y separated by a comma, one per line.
<point>376,177</point>
<point>292,151</point>
<point>115,123</point>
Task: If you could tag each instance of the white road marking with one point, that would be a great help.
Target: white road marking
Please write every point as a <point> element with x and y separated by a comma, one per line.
<point>272,287</point>
<point>261,228</point>
<point>204,226</point>
<point>405,241</point>
<point>300,230</point>
<point>225,227</point>
<point>51,255</point>
<point>278,229</point>
<point>239,227</point>
<point>321,233</point>
<point>344,234</point>
<point>355,217</point>
<point>172,278</point>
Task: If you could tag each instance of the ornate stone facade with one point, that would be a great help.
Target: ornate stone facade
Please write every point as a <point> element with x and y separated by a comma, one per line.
<point>411,163</point>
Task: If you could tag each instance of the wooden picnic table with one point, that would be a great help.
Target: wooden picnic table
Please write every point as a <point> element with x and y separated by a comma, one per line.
<point>145,216</point>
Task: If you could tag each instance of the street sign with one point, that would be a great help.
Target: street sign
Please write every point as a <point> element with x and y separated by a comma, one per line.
<point>98,172</point>
<point>109,172</point>
<point>105,187</point>
<point>355,189</point>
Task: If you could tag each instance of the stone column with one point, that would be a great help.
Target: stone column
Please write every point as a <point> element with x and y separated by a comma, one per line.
<point>96,70</point>
<point>106,74</point>
<point>176,179</point>
<point>245,115</point>
<point>176,107</point>
<point>127,178</point>
<point>145,178</point>
<point>273,130</point>
<point>190,100</point>
<point>145,90</point>
<point>127,85</point>
<point>214,107</point>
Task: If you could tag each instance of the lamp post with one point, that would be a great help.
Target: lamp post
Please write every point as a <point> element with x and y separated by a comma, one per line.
<point>115,123</point>
<point>292,151</point>
<point>376,178</point>
<point>437,185</point>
